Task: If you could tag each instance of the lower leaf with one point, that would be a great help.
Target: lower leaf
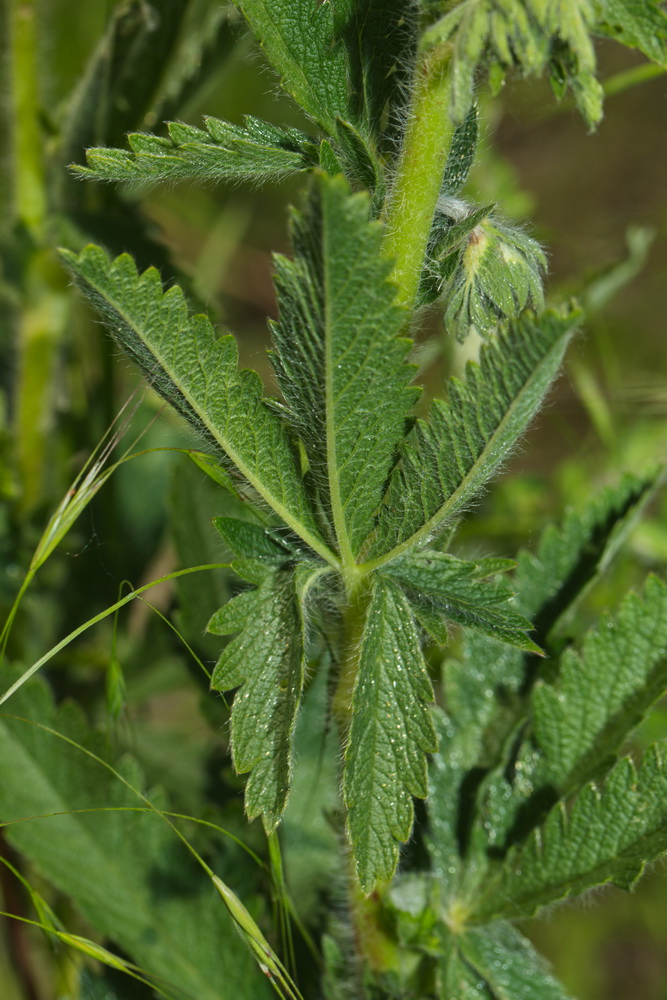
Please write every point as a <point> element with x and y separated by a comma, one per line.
<point>609,834</point>
<point>390,734</point>
<point>267,659</point>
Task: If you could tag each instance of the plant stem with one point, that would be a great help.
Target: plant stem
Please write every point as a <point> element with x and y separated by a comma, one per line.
<point>354,620</point>
<point>7,181</point>
<point>30,189</point>
<point>416,186</point>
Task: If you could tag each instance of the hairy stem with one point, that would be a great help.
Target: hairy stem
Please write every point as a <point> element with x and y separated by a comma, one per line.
<point>421,165</point>
<point>354,620</point>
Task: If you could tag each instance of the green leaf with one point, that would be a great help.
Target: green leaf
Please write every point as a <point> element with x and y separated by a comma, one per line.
<point>380,37</point>
<point>457,590</point>
<point>571,556</point>
<point>299,39</point>
<point>94,987</point>
<point>207,42</point>
<point>251,541</point>
<point>499,274</point>
<point>119,83</point>
<point>639,24</point>
<point>458,751</point>
<point>604,691</point>
<point>126,873</point>
<point>198,374</point>
<point>267,661</point>
<point>609,834</point>
<point>523,35</point>
<point>446,460</point>
<point>520,785</point>
<point>390,734</point>
<point>507,964</point>
<point>461,154</point>
<point>309,840</point>
<point>253,151</point>
<point>340,363</point>
<point>360,164</point>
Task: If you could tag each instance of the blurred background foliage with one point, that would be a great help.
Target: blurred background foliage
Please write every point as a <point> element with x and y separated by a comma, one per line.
<point>75,73</point>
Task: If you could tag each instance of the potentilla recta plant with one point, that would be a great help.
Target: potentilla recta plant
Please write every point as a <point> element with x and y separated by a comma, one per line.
<point>351,499</point>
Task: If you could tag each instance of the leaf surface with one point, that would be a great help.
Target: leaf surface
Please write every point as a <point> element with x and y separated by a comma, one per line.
<point>508,965</point>
<point>340,362</point>
<point>199,375</point>
<point>604,691</point>
<point>298,38</point>
<point>390,733</point>
<point>609,834</point>
<point>640,24</point>
<point>457,590</point>
<point>380,37</point>
<point>253,151</point>
<point>448,458</point>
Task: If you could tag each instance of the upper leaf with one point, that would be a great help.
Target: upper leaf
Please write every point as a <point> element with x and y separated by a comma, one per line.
<point>299,40</point>
<point>525,34</point>
<point>198,374</point>
<point>446,460</point>
<point>640,24</point>
<point>340,363</point>
<point>267,660</point>
<point>390,734</point>
<point>608,835</point>
<point>252,151</point>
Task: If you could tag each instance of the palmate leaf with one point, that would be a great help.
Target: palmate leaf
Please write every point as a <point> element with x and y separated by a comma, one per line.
<point>447,459</point>
<point>608,834</point>
<point>298,38</point>
<point>390,733</point>
<point>340,362</point>
<point>252,151</point>
<point>457,591</point>
<point>198,374</point>
<point>494,963</point>
<point>267,661</point>
<point>125,872</point>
